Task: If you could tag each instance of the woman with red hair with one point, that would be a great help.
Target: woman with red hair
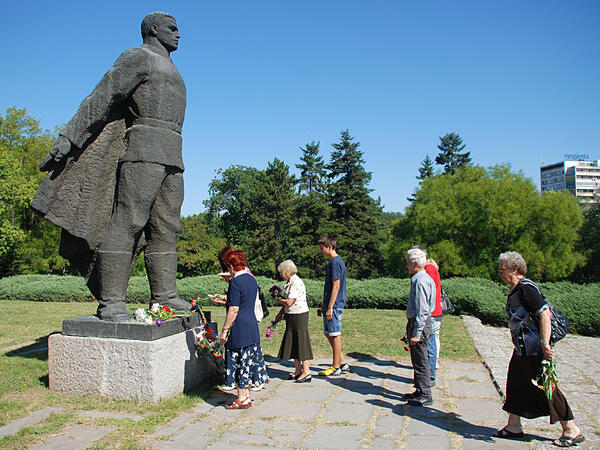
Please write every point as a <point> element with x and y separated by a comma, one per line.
<point>240,331</point>
<point>259,370</point>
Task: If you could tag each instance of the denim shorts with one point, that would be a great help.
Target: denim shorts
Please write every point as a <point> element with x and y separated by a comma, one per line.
<point>333,327</point>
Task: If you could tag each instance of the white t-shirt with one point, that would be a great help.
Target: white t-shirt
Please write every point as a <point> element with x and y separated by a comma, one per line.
<point>295,288</point>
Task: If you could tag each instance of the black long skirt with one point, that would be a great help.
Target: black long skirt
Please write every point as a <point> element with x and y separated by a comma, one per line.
<point>296,339</point>
<point>526,400</point>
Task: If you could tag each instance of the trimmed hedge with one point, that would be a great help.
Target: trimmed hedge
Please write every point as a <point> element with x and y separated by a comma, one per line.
<point>479,297</point>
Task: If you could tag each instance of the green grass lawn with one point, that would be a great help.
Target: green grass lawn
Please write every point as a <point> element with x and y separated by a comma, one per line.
<point>25,326</point>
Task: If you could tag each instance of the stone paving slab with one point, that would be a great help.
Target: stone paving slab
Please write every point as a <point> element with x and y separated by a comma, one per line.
<point>335,436</point>
<point>356,413</point>
<point>27,421</point>
<point>426,442</point>
<point>96,414</point>
<point>472,388</point>
<point>73,438</point>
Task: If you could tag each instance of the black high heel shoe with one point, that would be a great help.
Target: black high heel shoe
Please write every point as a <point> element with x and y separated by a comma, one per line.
<point>291,376</point>
<point>306,379</point>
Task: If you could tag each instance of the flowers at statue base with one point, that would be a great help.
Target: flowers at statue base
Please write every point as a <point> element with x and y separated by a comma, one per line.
<point>208,346</point>
<point>275,291</point>
<point>547,381</point>
<point>157,314</point>
<point>405,340</point>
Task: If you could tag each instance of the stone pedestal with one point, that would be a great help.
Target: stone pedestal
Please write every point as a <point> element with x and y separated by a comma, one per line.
<point>143,369</point>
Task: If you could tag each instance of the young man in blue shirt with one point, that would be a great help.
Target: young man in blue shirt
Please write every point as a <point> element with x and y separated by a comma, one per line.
<point>334,300</point>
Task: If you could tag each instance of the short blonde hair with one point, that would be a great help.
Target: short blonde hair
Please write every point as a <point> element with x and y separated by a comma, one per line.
<point>433,263</point>
<point>287,267</point>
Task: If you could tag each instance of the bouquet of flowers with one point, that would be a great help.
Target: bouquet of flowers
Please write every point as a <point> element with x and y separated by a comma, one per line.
<point>157,314</point>
<point>208,346</point>
<point>547,381</point>
<point>275,291</point>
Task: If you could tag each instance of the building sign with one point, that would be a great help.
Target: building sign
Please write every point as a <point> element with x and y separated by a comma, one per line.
<point>576,156</point>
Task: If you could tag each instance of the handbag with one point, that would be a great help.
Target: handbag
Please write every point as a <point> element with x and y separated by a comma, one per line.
<point>447,306</point>
<point>559,323</point>
<point>263,303</point>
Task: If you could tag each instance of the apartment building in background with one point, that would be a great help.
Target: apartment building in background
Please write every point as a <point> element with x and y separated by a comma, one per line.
<point>577,173</point>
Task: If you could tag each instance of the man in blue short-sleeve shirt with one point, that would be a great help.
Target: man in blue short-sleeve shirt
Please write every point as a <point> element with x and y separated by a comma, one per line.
<point>334,300</point>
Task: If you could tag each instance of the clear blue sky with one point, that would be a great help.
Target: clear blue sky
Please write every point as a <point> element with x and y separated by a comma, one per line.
<point>518,80</point>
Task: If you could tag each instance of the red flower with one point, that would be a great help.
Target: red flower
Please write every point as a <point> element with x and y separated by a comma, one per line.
<point>166,308</point>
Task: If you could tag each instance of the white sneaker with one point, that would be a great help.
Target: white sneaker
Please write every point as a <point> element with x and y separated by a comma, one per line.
<point>228,388</point>
<point>258,387</point>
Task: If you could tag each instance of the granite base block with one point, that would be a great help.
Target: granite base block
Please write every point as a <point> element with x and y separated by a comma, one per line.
<point>143,370</point>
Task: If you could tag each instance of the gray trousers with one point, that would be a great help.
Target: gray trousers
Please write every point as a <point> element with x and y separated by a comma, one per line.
<point>149,198</point>
<point>420,361</point>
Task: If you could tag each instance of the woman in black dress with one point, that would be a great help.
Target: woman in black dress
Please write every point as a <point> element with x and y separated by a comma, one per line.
<point>530,326</point>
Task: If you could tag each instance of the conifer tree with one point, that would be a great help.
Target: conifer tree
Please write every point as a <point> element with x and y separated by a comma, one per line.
<point>425,171</point>
<point>450,156</point>
<point>357,216</point>
<point>312,169</point>
<point>312,212</point>
<point>275,199</point>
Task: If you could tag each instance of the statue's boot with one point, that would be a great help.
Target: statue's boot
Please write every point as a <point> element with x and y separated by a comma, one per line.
<point>114,270</point>
<point>162,275</point>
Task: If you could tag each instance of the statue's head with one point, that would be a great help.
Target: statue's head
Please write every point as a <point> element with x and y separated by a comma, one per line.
<point>161,27</point>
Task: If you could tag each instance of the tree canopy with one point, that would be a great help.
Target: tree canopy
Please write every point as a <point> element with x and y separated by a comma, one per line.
<point>28,244</point>
<point>467,218</point>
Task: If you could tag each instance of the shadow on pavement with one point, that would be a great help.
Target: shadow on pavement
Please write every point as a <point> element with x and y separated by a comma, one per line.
<point>449,421</point>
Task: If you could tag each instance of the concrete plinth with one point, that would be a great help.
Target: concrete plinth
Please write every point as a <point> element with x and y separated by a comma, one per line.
<point>124,368</point>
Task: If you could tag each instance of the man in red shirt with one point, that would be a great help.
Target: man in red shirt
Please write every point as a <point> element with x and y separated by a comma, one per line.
<point>433,343</point>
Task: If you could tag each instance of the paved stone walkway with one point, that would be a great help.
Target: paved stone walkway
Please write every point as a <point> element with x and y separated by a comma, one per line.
<point>365,409</point>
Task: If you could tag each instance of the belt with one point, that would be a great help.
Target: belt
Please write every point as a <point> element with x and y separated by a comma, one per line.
<point>157,123</point>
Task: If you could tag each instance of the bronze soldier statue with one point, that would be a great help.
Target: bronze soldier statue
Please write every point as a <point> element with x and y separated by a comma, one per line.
<point>115,182</point>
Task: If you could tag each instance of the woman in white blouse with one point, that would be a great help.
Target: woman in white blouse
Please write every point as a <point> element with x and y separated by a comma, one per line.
<point>296,340</point>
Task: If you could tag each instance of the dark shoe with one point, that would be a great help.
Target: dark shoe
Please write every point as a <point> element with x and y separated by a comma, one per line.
<point>177,304</point>
<point>505,434</point>
<point>566,441</point>
<point>345,368</point>
<point>411,395</point>
<point>420,401</point>
<point>306,379</point>
<point>292,376</point>
<point>114,314</point>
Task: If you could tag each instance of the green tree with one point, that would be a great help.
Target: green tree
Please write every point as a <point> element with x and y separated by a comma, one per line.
<point>312,170</point>
<point>466,219</point>
<point>588,244</point>
<point>451,154</point>
<point>28,244</point>
<point>197,249</point>
<point>425,171</point>
<point>275,198</point>
<point>357,216</point>
<point>311,213</point>
<point>232,203</point>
